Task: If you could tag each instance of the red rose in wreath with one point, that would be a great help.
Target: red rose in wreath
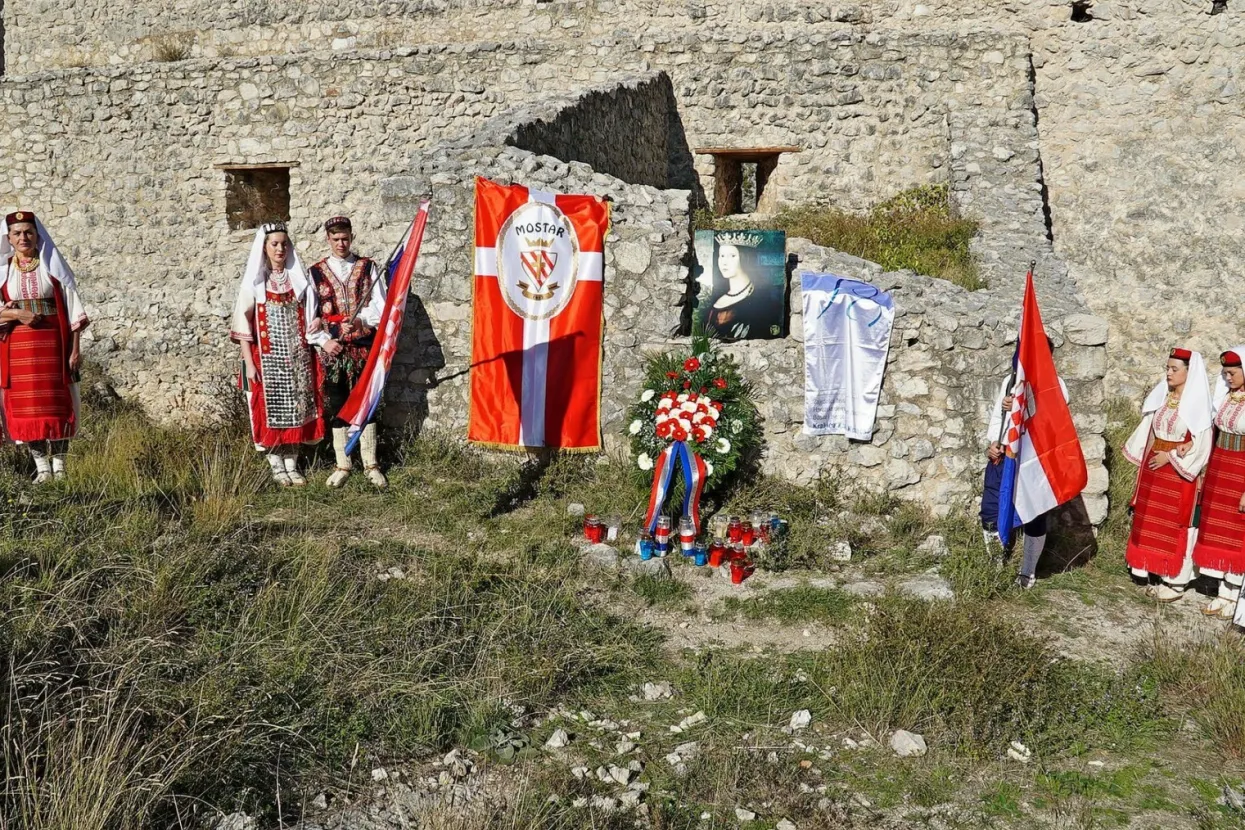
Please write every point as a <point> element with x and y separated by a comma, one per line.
<point>687,384</point>
<point>717,405</point>
<point>672,375</point>
<point>679,434</point>
<point>720,383</point>
<point>699,435</point>
<point>663,429</point>
<point>691,364</point>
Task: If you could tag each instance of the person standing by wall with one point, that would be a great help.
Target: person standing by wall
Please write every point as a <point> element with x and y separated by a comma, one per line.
<point>275,324</point>
<point>40,354</point>
<point>1220,549</point>
<point>351,293</point>
<point>1171,445</point>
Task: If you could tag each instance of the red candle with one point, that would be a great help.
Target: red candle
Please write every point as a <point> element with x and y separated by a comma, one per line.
<point>594,531</point>
<point>717,552</point>
<point>734,530</point>
<point>748,534</point>
<point>741,569</point>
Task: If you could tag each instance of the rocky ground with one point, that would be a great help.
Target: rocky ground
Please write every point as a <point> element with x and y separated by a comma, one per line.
<point>612,762</point>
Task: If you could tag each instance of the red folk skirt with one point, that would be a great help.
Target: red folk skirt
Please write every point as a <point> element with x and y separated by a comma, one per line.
<point>1221,527</point>
<point>38,402</point>
<point>268,437</point>
<point>1162,516</point>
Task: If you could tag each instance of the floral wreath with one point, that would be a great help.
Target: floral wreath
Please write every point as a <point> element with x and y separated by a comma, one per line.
<point>700,400</point>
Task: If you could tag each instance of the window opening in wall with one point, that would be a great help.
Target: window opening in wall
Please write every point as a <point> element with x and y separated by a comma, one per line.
<point>1080,11</point>
<point>255,194</point>
<point>740,176</point>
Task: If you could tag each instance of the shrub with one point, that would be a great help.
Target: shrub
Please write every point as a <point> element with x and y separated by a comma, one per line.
<point>916,230</point>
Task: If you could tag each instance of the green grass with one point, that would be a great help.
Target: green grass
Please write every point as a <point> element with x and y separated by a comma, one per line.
<point>666,591</point>
<point>916,230</point>
<point>794,605</point>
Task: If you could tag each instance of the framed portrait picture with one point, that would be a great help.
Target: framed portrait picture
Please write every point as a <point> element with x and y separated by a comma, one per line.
<point>742,284</point>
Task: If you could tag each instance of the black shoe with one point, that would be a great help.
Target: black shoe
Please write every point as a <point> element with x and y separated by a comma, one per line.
<point>1024,583</point>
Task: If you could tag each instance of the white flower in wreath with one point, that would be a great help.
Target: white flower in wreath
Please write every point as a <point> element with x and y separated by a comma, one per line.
<point>736,427</point>
<point>685,424</point>
<point>635,427</point>
<point>708,469</point>
<point>644,462</point>
<point>682,397</point>
<point>707,429</point>
<point>723,446</point>
<point>647,395</point>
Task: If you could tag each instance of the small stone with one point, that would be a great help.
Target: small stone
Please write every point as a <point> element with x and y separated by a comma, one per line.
<point>658,691</point>
<point>744,815</point>
<point>908,744</point>
<point>690,721</point>
<point>929,587</point>
<point>602,555</point>
<point>558,739</point>
<point>630,799</point>
<point>1019,752</point>
<point>623,747</point>
<point>935,546</point>
<point>604,803</point>
<point>574,509</point>
<point>800,720</point>
<point>580,772</point>
<point>622,775</point>
<point>656,568</point>
<point>1002,153</point>
<point>784,824</point>
<point>320,802</point>
<point>865,589</point>
<point>380,774</point>
<point>237,821</point>
<point>841,552</point>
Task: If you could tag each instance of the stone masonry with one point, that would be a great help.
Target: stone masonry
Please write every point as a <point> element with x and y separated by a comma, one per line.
<point>1105,150</point>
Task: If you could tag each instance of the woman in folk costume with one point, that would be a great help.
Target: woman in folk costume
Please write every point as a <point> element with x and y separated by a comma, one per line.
<point>41,322</point>
<point>1171,446</point>
<point>274,321</point>
<point>1220,549</point>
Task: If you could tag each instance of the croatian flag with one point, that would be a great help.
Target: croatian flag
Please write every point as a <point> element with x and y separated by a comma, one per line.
<point>365,397</point>
<point>1043,466</point>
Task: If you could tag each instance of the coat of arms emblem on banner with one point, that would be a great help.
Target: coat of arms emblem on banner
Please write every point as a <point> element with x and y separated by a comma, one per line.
<point>538,261</point>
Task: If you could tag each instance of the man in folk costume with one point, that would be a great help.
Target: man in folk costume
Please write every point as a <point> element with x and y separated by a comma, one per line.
<point>274,322</point>
<point>41,323</point>
<point>351,293</point>
<point>1220,549</point>
<point>1034,531</point>
<point>1171,445</point>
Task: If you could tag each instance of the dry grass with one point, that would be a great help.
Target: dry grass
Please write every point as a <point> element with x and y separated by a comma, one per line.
<point>171,47</point>
<point>916,230</point>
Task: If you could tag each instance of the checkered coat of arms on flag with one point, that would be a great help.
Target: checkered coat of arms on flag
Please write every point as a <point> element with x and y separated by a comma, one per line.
<point>537,319</point>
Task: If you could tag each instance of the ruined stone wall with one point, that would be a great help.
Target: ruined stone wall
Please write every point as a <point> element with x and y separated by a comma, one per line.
<point>121,165</point>
<point>1144,149</point>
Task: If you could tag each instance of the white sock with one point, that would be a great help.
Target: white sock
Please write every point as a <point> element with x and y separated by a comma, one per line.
<point>339,448</point>
<point>42,462</point>
<point>291,460</point>
<point>367,447</point>
<point>276,463</point>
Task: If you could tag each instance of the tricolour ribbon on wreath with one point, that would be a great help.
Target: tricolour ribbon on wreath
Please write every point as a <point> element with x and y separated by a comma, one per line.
<point>678,454</point>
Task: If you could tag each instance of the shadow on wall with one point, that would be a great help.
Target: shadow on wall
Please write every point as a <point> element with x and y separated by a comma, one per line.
<point>415,368</point>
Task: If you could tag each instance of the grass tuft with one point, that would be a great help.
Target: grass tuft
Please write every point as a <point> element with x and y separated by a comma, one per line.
<point>794,605</point>
<point>915,230</point>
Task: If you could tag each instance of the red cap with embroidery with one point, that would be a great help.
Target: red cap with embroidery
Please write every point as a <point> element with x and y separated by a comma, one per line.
<point>1230,359</point>
<point>1181,354</point>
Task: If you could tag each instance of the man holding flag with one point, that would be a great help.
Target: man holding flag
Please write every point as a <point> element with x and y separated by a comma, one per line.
<point>1035,455</point>
<point>351,292</point>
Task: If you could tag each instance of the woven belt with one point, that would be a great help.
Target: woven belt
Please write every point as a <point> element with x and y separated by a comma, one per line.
<point>44,308</point>
<point>1161,445</point>
<point>1228,441</point>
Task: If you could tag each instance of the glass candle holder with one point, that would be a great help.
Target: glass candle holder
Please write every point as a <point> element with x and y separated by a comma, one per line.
<point>646,547</point>
<point>734,529</point>
<point>662,536</point>
<point>700,555</point>
<point>717,553</point>
<point>748,534</point>
<point>613,528</point>
<point>594,531</point>
<point>687,536</point>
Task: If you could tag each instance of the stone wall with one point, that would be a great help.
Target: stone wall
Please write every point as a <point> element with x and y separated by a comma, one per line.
<point>1144,148</point>
<point>121,164</point>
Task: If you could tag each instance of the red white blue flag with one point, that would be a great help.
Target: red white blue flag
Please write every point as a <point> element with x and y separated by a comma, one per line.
<point>1043,466</point>
<point>365,397</point>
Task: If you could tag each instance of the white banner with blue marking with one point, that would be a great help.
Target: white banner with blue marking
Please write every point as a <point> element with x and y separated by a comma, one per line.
<point>847,334</point>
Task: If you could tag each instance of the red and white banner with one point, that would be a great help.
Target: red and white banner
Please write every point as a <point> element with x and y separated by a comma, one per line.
<point>1041,434</point>
<point>537,319</point>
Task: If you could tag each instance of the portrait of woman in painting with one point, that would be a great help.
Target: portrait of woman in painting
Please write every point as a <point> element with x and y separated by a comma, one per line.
<point>743,282</point>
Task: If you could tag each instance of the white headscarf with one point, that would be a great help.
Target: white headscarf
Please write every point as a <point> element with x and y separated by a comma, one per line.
<point>252,291</point>
<point>1221,385</point>
<point>256,274</point>
<point>49,255</point>
<point>1195,407</point>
